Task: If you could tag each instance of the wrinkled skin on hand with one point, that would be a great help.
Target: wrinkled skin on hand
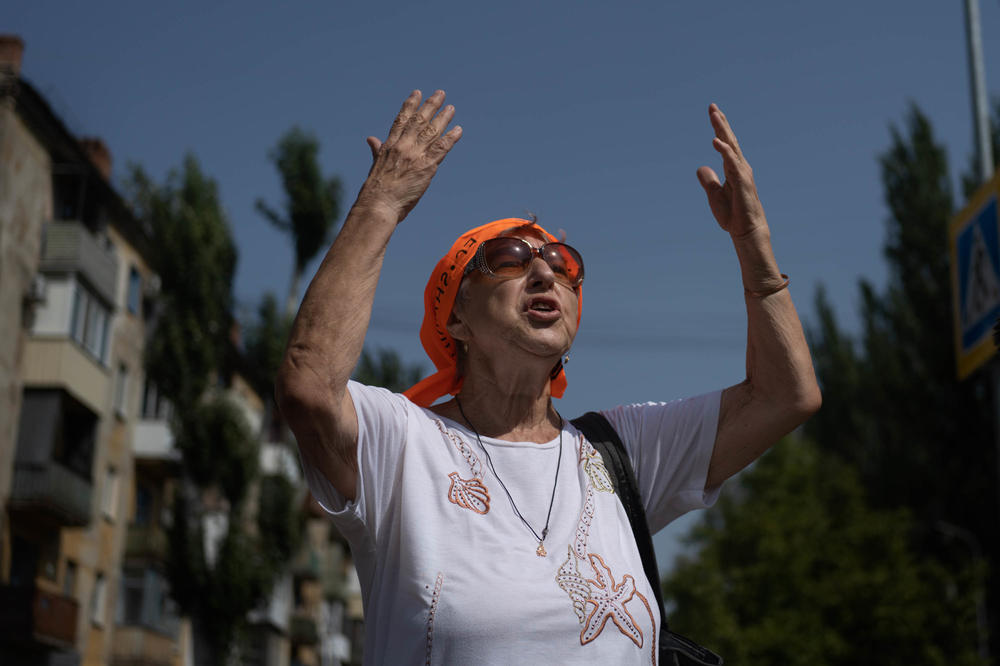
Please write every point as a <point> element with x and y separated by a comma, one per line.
<point>404,164</point>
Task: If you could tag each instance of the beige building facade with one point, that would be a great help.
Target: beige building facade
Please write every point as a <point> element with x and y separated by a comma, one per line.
<point>88,465</point>
<point>75,297</point>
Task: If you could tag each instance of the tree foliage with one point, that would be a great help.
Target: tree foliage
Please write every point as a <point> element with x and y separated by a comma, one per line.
<point>264,344</point>
<point>793,568</point>
<point>195,257</point>
<point>218,447</point>
<point>312,202</point>
<point>190,346</point>
<point>385,368</point>
<point>892,404</point>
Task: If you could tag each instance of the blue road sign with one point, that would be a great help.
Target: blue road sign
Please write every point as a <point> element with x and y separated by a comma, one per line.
<point>974,236</point>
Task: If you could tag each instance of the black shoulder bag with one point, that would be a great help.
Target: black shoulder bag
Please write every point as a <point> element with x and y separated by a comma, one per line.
<point>674,650</point>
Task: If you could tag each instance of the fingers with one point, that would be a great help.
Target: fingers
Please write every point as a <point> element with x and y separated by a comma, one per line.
<point>430,107</point>
<point>403,117</point>
<point>722,129</point>
<point>708,179</point>
<point>374,144</point>
<point>440,148</point>
<point>421,123</point>
<point>438,124</point>
<point>729,155</point>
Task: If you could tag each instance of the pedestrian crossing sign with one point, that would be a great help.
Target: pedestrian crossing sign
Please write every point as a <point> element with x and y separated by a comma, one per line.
<point>974,240</point>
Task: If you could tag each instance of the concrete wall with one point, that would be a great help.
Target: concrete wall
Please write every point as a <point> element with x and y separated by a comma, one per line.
<point>98,548</point>
<point>25,205</point>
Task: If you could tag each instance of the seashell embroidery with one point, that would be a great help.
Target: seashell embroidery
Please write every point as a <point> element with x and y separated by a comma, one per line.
<point>598,474</point>
<point>576,586</point>
<point>593,465</point>
<point>469,494</point>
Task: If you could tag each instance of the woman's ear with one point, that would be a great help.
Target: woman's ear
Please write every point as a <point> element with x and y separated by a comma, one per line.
<point>456,327</point>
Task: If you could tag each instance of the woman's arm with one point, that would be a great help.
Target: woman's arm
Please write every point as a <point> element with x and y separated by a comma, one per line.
<point>780,391</point>
<point>329,330</point>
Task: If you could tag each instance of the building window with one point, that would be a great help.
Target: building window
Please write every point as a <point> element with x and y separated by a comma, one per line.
<point>69,579</point>
<point>98,601</point>
<point>143,504</point>
<point>132,594</point>
<point>90,321</point>
<point>121,391</point>
<point>134,298</point>
<point>109,499</point>
<point>48,556</point>
<point>145,600</point>
<point>154,406</point>
<point>75,439</point>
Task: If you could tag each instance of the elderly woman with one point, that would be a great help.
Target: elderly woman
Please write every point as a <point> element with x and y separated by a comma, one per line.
<point>484,527</point>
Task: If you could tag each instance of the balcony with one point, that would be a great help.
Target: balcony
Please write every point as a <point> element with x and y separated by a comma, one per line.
<point>153,441</point>
<point>51,493</point>
<point>146,542</point>
<point>138,646</point>
<point>29,614</point>
<point>72,248</point>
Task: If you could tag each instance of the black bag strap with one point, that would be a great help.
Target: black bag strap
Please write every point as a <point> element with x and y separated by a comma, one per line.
<point>674,649</point>
<point>602,435</point>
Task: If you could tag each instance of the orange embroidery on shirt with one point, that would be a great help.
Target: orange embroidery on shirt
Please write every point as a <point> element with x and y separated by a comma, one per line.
<point>609,601</point>
<point>475,464</point>
<point>593,464</point>
<point>583,526</point>
<point>572,583</point>
<point>652,623</point>
<point>430,615</point>
<point>469,494</point>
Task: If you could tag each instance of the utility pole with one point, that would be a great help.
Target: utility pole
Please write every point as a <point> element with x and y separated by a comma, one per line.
<point>977,79</point>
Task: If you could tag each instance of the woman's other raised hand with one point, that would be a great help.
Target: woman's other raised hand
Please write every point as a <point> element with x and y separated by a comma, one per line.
<point>734,203</point>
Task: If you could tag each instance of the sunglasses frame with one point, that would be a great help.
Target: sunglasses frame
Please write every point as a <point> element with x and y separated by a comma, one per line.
<point>478,261</point>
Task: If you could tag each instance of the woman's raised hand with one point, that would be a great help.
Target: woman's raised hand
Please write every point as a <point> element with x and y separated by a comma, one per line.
<point>734,203</point>
<point>404,164</point>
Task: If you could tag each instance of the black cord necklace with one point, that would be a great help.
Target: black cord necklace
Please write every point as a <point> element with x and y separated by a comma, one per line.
<point>540,551</point>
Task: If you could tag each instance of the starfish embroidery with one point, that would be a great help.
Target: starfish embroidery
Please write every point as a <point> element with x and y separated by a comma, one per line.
<point>608,601</point>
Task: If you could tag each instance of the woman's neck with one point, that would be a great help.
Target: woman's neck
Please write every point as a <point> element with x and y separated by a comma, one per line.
<point>513,407</point>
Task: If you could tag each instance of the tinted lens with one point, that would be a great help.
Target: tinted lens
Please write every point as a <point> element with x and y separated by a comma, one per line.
<point>509,258</point>
<point>565,262</point>
<point>506,257</point>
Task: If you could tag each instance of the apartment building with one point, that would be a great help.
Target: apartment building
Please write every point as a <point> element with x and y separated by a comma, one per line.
<point>76,296</point>
<point>88,464</point>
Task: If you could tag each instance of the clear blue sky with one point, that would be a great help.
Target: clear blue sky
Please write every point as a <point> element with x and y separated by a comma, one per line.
<point>590,115</point>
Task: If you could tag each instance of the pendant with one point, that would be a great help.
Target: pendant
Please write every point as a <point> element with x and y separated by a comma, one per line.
<point>540,551</point>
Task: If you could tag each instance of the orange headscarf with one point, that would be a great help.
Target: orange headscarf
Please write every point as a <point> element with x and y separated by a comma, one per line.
<point>439,299</point>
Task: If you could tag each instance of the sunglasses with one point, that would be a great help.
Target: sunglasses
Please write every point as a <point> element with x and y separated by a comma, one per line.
<point>509,257</point>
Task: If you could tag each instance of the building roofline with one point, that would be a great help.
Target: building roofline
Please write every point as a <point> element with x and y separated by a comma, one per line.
<point>65,148</point>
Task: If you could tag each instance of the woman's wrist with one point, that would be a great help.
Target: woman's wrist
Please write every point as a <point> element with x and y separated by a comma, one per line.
<point>372,202</point>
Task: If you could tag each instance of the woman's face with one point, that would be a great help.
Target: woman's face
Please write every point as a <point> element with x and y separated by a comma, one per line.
<point>530,316</point>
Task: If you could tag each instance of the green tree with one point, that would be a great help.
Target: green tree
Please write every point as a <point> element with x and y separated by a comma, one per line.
<point>264,344</point>
<point>312,203</point>
<point>195,256</point>
<point>893,407</point>
<point>792,567</point>
<point>385,368</point>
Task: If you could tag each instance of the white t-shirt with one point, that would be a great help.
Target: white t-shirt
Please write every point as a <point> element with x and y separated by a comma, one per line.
<point>449,573</point>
